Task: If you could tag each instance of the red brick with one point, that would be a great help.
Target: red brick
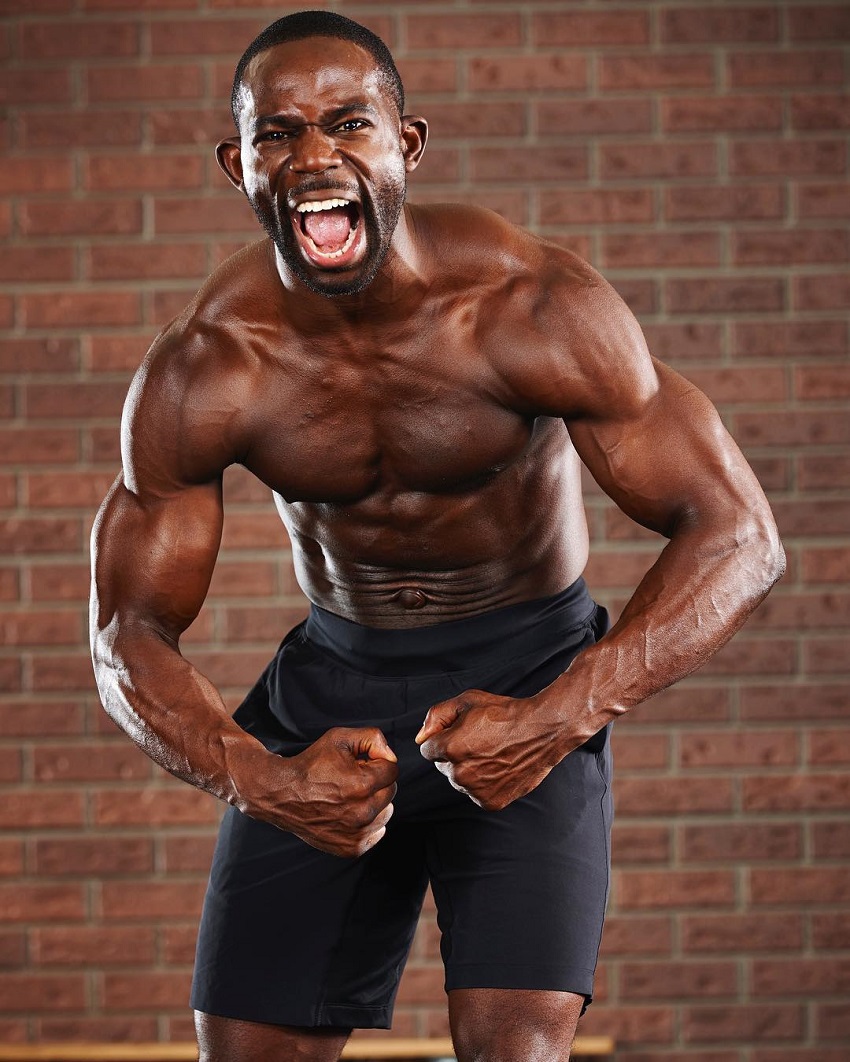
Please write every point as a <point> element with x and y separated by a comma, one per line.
<point>62,673</point>
<point>155,990</point>
<point>799,1054</point>
<point>63,490</point>
<point>641,844</point>
<point>831,929</point>
<point>59,582</point>
<point>713,114</point>
<point>93,945</point>
<point>741,842</point>
<point>13,950</point>
<point>136,84</point>
<point>660,250</point>
<point>117,353</point>
<point>38,445</point>
<point>208,36</point>
<point>742,1023</point>
<point>639,889</point>
<point>799,247</point>
<point>152,807</point>
<point>795,428</point>
<point>677,980</point>
<point>243,579</point>
<point>677,340</point>
<point>785,69</point>
<point>822,381</point>
<point>640,296</point>
<point>829,611</point>
<point>829,747</point>
<point>819,792</point>
<point>589,28</point>
<point>600,117</point>
<point>673,796</point>
<point>711,24</point>
<point>38,902</point>
<point>24,264</point>
<point>740,386</point>
<point>190,126</point>
<point>11,859</point>
<point>64,763</point>
<point>567,163</point>
<point>148,261</point>
<point>252,531</point>
<point>125,901</point>
<point>833,1022</point>
<point>81,309</point>
<point>786,158</point>
<point>751,657</point>
<point>42,992</point>
<point>821,111</point>
<point>782,339</point>
<point>745,932</point>
<point>811,22</point>
<point>39,535</point>
<point>38,355</point>
<point>104,444</point>
<point>188,852</point>
<point>825,656</point>
<point>607,569</point>
<point>725,295</point>
<point>9,585</point>
<point>824,292</point>
<point>823,201</point>
<point>142,173</point>
<point>93,856</point>
<point>40,628</point>
<point>23,87</point>
<point>34,719</point>
<point>99,1029</point>
<point>31,176</point>
<point>828,565</point>
<point>64,218</point>
<point>87,39</point>
<point>755,748</point>
<point>630,1025</point>
<point>756,202</point>
<point>596,206</point>
<point>643,72</point>
<point>59,128</point>
<point>222,213</point>
<point>657,159</point>
<point>642,751</point>
<point>451,119</point>
<point>450,31</point>
<point>801,977</point>
<point>528,73</point>
<point>178,944</point>
<point>631,935</point>
<point>800,885</point>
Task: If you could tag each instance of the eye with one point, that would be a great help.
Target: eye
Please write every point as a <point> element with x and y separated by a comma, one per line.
<point>353,125</point>
<point>272,135</point>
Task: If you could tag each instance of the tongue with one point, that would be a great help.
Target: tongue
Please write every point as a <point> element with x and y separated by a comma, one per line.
<point>328,229</point>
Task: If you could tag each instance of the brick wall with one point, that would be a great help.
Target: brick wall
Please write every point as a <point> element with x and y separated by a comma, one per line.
<point>697,153</point>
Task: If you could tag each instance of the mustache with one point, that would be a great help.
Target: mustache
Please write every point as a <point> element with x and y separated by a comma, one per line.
<point>322,184</point>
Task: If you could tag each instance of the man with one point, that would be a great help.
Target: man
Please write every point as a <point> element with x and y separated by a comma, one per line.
<point>417,386</point>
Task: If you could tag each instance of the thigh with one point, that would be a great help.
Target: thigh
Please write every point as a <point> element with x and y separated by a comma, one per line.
<point>229,1040</point>
<point>504,1025</point>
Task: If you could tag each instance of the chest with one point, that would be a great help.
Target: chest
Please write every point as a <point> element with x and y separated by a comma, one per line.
<point>422,417</point>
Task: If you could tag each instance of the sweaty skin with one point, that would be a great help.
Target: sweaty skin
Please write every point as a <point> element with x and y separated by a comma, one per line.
<point>419,407</point>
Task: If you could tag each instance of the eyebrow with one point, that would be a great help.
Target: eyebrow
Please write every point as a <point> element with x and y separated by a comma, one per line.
<point>286,121</point>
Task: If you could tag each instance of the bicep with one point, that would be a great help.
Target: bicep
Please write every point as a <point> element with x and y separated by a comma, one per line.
<point>153,555</point>
<point>667,458</point>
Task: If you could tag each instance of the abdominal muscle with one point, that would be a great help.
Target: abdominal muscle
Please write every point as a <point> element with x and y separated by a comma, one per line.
<point>399,559</point>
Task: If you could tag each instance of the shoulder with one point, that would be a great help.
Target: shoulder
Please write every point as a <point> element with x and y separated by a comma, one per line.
<point>561,338</point>
<point>188,407</point>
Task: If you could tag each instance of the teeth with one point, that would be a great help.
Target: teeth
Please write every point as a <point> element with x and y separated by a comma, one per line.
<point>321,204</point>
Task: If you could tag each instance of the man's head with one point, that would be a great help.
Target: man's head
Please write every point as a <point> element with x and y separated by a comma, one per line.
<point>323,150</point>
<point>302,24</point>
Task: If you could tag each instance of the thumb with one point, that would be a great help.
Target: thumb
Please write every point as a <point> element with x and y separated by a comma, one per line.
<point>440,717</point>
<point>372,745</point>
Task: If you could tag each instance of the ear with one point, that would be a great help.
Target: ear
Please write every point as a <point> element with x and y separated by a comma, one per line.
<point>414,136</point>
<point>228,155</point>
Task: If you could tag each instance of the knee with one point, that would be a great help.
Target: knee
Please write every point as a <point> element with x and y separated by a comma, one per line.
<point>514,1026</point>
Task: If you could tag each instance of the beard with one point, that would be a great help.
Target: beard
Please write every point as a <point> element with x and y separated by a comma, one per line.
<point>379,217</point>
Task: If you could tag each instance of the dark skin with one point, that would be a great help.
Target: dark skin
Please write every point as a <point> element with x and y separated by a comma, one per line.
<point>422,434</point>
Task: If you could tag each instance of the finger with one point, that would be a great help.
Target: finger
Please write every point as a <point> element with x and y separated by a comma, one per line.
<point>371,744</point>
<point>439,718</point>
<point>434,749</point>
<point>379,774</point>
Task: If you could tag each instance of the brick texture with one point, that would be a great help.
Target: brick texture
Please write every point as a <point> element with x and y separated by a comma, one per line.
<point>696,151</point>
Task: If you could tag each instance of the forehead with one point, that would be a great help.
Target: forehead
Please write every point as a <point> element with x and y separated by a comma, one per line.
<point>312,74</point>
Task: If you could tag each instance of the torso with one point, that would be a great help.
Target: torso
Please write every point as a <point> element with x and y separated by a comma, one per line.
<point>417,480</point>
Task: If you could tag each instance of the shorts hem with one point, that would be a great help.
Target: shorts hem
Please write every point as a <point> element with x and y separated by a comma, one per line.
<point>338,1015</point>
<point>530,977</point>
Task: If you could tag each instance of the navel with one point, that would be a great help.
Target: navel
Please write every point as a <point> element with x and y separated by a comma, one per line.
<point>410,599</point>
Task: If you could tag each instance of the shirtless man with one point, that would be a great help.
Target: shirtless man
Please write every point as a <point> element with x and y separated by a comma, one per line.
<point>417,386</point>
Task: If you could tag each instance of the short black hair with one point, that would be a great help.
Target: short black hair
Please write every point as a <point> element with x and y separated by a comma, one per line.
<point>304,24</point>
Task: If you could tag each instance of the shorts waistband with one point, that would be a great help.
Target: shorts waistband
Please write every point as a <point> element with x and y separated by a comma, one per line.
<point>455,645</point>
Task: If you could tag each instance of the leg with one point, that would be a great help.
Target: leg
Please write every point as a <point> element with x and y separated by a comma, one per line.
<point>513,1025</point>
<point>229,1040</point>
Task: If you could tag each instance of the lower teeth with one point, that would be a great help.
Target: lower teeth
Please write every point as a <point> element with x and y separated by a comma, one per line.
<point>339,253</point>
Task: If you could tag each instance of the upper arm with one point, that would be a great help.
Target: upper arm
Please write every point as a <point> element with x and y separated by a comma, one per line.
<point>156,536</point>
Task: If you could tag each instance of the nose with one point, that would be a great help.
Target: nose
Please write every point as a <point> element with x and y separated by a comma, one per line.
<point>313,151</point>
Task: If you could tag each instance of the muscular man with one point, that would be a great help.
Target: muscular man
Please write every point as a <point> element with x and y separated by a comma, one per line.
<point>417,386</point>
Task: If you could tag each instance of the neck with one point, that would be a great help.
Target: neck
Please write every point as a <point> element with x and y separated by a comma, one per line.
<point>395,285</point>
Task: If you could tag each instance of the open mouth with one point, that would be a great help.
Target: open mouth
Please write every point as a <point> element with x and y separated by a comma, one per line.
<point>330,232</point>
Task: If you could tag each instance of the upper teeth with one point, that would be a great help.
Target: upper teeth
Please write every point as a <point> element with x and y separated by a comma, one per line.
<point>321,204</point>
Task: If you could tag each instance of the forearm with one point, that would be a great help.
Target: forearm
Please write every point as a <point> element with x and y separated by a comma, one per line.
<point>174,714</point>
<point>700,591</point>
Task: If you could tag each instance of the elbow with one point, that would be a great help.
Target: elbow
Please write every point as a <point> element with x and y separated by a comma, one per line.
<point>764,553</point>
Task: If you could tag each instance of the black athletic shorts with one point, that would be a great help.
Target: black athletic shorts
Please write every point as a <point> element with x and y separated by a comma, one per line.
<point>294,936</point>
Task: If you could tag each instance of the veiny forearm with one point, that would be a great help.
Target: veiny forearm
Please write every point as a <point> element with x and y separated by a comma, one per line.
<point>173,713</point>
<point>700,591</point>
